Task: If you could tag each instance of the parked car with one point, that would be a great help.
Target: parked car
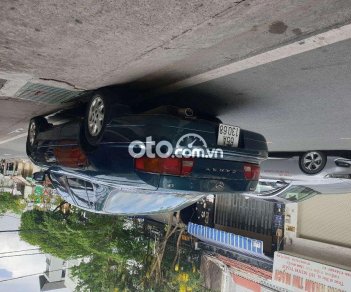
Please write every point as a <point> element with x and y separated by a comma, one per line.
<point>294,177</point>
<point>310,165</point>
<point>87,151</point>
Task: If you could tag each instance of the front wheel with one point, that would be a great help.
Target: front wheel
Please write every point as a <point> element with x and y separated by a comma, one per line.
<point>312,162</point>
<point>95,119</point>
<point>36,125</point>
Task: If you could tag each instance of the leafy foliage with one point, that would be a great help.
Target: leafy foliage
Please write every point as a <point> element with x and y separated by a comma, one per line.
<point>118,252</point>
<point>73,236</point>
<point>11,203</point>
<point>101,239</point>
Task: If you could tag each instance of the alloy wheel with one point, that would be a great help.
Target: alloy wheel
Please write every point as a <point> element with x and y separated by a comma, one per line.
<point>96,116</point>
<point>32,132</point>
<point>313,162</point>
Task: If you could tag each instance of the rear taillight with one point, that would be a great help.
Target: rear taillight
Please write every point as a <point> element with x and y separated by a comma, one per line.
<point>251,171</point>
<point>174,166</point>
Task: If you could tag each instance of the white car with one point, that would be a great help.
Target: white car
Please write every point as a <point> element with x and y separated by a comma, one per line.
<point>311,165</point>
<point>293,177</point>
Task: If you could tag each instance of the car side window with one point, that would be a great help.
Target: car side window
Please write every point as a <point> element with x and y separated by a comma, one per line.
<point>82,191</point>
<point>58,182</point>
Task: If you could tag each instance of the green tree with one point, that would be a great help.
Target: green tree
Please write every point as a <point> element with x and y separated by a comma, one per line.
<point>103,274</point>
<point>118,252</point>
<point>11,203</point>
<point>174,266</point>
<point>103,240</point>
<point>73,236</point>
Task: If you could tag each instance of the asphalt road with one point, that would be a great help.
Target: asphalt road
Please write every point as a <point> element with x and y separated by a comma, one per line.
<point>14,118</point>
<point>91,44</point>
<point>15,114</point>
<point>14,149</point>
<point>299,103</point>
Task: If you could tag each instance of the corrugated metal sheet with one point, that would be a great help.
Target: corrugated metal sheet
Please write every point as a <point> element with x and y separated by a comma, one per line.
<point>326,218</point>
<point>227,240</point>
<point>46,94</point>
<point>250,215</point>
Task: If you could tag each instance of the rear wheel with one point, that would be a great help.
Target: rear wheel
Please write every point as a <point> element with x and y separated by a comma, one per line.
<point>95,119</point>
<point>312,162</point>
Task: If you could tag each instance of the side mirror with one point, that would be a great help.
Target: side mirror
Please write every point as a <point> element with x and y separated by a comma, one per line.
<point>39,176</point>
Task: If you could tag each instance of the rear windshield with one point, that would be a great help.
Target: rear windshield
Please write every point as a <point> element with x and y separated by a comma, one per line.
<point>84,193</point>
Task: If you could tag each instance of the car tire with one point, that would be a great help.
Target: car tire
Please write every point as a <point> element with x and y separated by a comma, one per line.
<point>95,120</point>
<point>36,125</point>
<point>312,162</point>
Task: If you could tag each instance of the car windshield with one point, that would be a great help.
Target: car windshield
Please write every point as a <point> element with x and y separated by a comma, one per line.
<point>297,193</point>
<point>281,189</point>
<point>267,187</point>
